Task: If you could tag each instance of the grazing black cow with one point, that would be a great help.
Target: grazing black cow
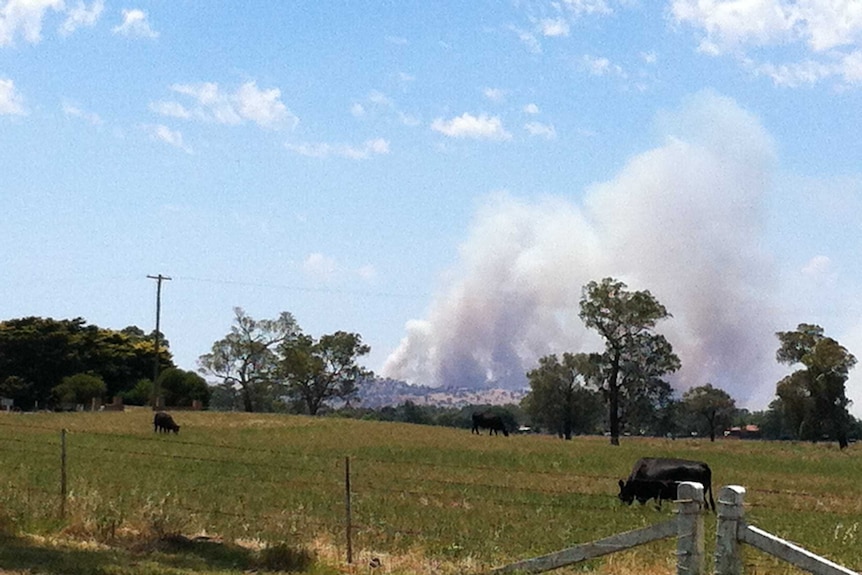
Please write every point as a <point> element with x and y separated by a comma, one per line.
<point>645,489</point>
<point>664,469</point>
<point>164,423</point>
<point>490,421</point>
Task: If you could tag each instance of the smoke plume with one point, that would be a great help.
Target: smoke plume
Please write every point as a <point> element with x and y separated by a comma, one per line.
<point>683,220</point>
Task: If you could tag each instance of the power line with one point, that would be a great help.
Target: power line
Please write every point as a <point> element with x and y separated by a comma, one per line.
<point>341,291</point>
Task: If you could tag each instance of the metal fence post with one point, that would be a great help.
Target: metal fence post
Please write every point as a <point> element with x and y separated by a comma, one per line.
<point>347,511</point>
<point>728,551</point>
<point>62,474</point>
<point>689,543</point>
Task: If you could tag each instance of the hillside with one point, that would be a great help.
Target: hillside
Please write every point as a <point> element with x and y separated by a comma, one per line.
<point>382,392</point>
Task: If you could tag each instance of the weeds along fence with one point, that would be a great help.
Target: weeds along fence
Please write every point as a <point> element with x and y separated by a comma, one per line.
<point>107,485</point>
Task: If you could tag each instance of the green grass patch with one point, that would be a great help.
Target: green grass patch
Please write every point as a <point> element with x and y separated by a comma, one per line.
<point>270,489</point>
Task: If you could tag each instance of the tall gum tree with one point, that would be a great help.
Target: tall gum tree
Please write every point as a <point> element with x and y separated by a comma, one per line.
<point>247,358</point>
<point>625,320</point>
<point>317,371</point>
<point>562,395</point>
<point>815,398</point>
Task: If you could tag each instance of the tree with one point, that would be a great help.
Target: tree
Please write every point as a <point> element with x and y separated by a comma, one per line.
<point>816,395</point>
<point>713,407</point>
<point>560,399</point>
<point>317,371</point>
<point>633,353</point>
<point>647,403</point>
<point>247,358</point>
<point>39,352</point>
<point>80,388</point>
<point>181,388</point>
<point>141,394</point>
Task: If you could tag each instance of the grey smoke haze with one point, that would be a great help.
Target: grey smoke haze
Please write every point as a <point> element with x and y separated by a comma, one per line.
<point>683,220</point>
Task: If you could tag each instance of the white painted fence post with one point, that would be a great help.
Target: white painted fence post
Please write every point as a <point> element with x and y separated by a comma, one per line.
<point>689,545</point>
<point>728,549</point>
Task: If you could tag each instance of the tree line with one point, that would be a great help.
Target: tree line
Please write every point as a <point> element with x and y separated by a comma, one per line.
<point>48,363</point>
<point>272,365</point>
<point>628,378</point>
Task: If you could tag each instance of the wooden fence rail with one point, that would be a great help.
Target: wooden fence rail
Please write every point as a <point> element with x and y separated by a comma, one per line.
<point>731,533</point>
<point>687,526</point>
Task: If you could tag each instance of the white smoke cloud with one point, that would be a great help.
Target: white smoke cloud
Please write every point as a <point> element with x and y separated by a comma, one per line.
<point>682,220</point>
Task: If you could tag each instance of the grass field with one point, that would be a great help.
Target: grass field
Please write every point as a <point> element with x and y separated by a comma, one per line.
<point>235,492</point>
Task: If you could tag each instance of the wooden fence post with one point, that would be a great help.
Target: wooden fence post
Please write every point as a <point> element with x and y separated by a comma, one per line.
<point>62,474</point>
<point>728,550</point>
<point>348,527</point>
<point>689,543</point>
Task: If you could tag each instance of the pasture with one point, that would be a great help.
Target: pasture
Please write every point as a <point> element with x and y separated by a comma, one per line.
<point>423,499</point>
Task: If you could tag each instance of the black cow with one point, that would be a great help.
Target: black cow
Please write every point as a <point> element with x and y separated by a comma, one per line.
<point>490,421</point>
<point>664,469</point>
<point>645,489</point>
<point>164,423</point>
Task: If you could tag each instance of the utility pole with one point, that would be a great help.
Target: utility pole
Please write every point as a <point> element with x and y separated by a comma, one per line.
<point>158,279</point>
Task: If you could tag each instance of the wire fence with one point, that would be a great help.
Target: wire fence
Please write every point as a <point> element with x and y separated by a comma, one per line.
<point>276,493</point>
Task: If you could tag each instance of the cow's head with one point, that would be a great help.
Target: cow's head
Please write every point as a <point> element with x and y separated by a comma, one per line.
<point>627,492</point>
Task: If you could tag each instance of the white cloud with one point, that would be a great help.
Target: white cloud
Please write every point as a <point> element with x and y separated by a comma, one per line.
<point>481,127</point>
<point>579,8</point>
<point>369,148</point>
<point>135,25</point>
<point>600,66</point>
<point>649,57</point>
<point>795,73</point>
<point>851,67</point>
<point>262,107</point>
<point>528,39</point>
<point>817,266</point>
<point>531,109</point>
<point>381,104</point>
<point>546,131</point>
<point>11,101</point>
<point>830,31</point>
<point>728,24</point>
<point>82,15</point>
<point>319,267</point>
<point>24,17</point>
<point>554,27</point>
<point>76,112</point>
<point>379,98</point>
<point>164,134</point>
<point>247,103</point>
<point>170,109</point>
<point>494,94</point>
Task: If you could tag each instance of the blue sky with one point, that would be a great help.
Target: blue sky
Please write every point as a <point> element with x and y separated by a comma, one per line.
<point>440,177</point>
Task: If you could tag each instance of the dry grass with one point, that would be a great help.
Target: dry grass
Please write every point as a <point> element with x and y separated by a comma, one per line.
<point>425,500</point>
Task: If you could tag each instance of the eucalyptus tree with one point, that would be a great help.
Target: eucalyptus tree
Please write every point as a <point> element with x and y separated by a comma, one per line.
<point>247,358</point>
<point>563,397</point>
<point>713,408</point>
<point>315,371</point>
<point>634,354</point>
<point>814,397</point>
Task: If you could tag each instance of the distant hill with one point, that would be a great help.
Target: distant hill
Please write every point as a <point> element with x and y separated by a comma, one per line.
<point>382,392</point>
